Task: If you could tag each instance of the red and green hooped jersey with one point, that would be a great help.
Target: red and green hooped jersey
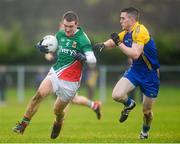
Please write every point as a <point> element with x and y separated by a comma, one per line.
<point>66,67</point>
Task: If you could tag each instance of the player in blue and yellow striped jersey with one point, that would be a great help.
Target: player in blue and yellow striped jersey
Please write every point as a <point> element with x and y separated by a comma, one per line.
<point>136,43</point>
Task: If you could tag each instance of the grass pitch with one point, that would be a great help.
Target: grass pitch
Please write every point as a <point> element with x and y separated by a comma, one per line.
<point>81,125</point>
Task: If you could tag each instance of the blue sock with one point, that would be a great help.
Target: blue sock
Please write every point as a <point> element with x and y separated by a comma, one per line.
<point>128,102</point>
<point>146,128</point>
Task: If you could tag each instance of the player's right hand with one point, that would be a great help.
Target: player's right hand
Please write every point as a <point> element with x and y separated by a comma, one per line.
<point>42,48</point>
<point>79,56</point>
<point>115,37</point>
<point>99,47</point>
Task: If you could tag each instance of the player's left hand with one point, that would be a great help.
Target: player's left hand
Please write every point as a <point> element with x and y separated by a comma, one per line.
<point>42,48</point>
<point>115,38</point>
<point>80,56</point>
<point>99,47</point>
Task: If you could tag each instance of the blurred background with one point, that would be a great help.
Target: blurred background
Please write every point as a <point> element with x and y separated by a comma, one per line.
<point>23,23</point>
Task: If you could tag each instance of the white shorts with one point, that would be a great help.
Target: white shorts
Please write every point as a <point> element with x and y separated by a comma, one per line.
<point>65,90</point>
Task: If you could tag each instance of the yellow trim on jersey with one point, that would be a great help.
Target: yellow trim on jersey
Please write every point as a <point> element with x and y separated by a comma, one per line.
<point>140,34</point>
<point>121,35</point>
<point>147,62</point>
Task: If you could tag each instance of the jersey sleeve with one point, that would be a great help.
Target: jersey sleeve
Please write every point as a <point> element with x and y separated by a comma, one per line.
<point>140,35</point>
<point>121,35</point>
<point>85,44</point>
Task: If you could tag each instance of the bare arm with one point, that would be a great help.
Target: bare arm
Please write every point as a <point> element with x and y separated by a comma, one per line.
<point>109,44</point>
<point>134,52</point>
<point>49,57</point>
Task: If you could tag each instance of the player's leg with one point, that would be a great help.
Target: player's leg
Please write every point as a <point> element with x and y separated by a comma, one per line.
<point>150,87</point>
<point>94,105</point>
<point>90,92</point>
<point>59,108</point>
<point>147,116</point>
<point>65,93</point>
<point>44,89</point>
<point>119,94</point>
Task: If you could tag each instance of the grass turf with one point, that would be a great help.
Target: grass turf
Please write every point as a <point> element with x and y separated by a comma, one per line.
<point>81,125</point>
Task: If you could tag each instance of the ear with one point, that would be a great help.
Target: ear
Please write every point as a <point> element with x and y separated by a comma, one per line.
<point>77,23</point>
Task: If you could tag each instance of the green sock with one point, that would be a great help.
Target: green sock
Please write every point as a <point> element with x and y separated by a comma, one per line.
<point>25,120</point>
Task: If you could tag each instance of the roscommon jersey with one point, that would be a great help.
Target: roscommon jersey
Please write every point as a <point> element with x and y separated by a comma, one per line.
<point>140,35</point>
<point>66,66</point>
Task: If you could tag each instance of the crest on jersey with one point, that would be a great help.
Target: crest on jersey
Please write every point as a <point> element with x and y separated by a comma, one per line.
<point>74,44</point>
<point>137,30</point>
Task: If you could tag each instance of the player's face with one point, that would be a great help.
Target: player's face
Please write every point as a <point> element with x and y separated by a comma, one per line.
<point>125,21</point>
<point>69,27</point>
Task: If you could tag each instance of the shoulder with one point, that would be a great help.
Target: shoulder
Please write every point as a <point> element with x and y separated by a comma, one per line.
<point>140,29</point>
<point>82,36</point>
<point>140,34</point>
<point>59,33</point>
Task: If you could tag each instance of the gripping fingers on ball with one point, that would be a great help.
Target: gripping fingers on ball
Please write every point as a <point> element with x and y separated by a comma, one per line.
<point>42,48</point>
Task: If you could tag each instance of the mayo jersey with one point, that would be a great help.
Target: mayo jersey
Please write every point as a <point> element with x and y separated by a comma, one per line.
<point>140,35</point>
<point>66,66</point>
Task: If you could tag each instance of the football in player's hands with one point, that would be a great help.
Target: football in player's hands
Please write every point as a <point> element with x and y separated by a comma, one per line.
<point>48,44</point>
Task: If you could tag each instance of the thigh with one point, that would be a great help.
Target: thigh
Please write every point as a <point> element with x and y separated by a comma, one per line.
<point>123,86</point>
<point>67,90</point>
<point>45,87</point>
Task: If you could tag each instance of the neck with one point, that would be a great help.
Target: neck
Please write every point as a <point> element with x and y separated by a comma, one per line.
<point>131,27</point>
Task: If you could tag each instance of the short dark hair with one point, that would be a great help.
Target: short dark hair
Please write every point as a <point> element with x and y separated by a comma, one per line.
<point>71,16</point>
<point>132,11</point>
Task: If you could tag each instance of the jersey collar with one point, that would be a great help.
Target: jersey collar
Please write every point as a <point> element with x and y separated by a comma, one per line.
<point>135,25</point>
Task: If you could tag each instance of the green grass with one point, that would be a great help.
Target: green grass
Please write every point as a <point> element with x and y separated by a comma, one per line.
<point>81,125</point>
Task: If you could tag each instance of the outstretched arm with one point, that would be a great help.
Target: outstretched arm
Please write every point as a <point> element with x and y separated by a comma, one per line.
<point>108,44</point>
<point>133,52</point>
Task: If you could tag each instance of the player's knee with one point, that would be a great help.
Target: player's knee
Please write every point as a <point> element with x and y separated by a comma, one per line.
<point>75,100</point>
<point>117,96</point>
<point>59,115</point>
<point>58,112</point>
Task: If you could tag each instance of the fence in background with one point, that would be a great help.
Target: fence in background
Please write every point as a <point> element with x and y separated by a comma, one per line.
<point>109,75</point>
<point>30,76</point>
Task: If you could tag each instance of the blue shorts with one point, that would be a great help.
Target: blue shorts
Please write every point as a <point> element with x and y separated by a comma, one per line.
<point>148,81</point>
